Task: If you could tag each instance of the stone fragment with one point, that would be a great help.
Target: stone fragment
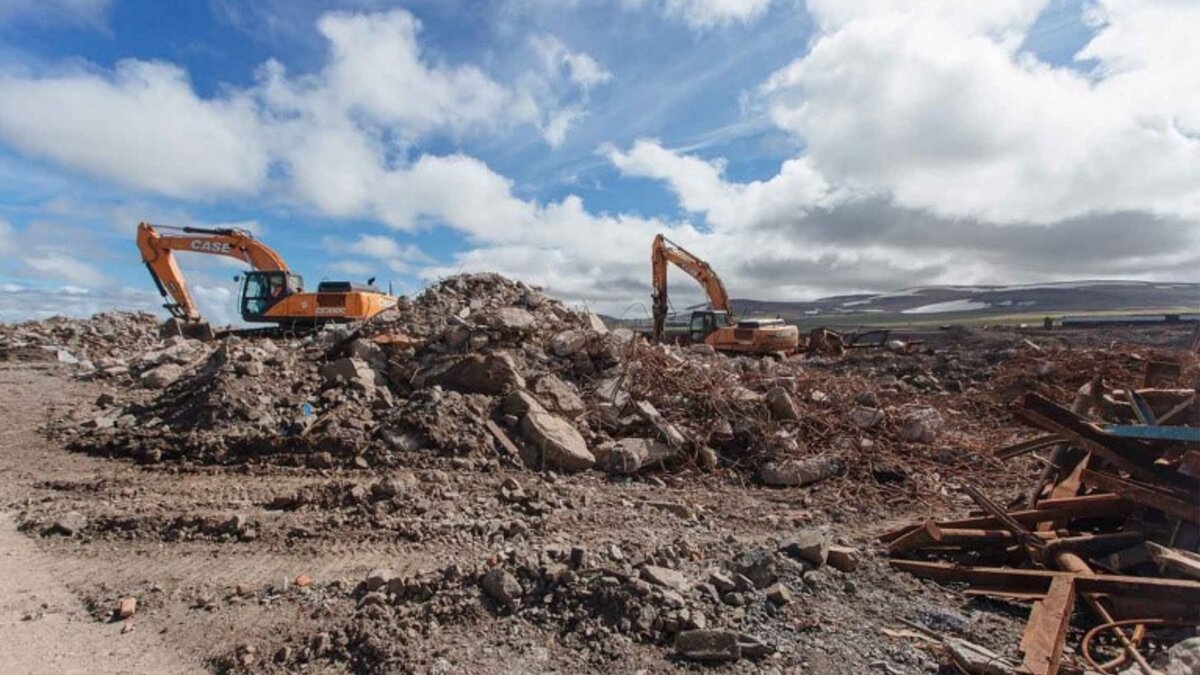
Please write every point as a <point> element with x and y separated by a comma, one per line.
<point>667,578</point>
<point>781,405</point>
<point>377,579</point>
<point>512,319</point>
<point>721,582</point>
<point>844,558</point>
<point>502,587</point>
<point>569,342</point>
<point>718,645</point>
<point>303,580</point>
<point>630,455</point>
<point>811,546</point>
<point>161,377</point>
<point>778,594</point>
<point>69,524</point>
<point>759,566</point>
<point>126,607</point>
<point>492,374</point>
<point>702,349</point>
<point>921,425</point>
<point>796,472</point>
<point>562,447</point>
<point>976,660</point>
<point>559,396</point>
<point>596,323</point>
<point>348,370</point>
<point>866,418</point>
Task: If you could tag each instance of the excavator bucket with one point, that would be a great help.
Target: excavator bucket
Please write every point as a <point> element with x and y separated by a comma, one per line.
<point>196,330</point>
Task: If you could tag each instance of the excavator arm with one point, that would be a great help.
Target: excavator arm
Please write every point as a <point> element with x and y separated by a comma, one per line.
<point>158,253</point>
<point>665,251</point>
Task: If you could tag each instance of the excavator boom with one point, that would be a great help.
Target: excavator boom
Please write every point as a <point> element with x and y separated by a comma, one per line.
<point>158,254</point>
<point>713,327</point>
<point>270,293</point>
<point>665,251</point>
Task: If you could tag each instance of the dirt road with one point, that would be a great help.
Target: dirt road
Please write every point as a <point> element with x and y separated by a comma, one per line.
<point>44,626</point>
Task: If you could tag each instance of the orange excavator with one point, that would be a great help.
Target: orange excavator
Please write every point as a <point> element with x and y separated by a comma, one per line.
<point>270,293</point>
<point>715,326</point>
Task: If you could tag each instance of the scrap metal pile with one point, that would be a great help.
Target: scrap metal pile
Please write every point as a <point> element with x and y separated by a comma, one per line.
<point>1111,526</point>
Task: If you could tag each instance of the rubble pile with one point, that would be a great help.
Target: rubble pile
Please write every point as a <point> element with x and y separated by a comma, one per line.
<point>483,367</point>
<point>104,343</point>
<point>1111,524</point>
<point>709,604</point>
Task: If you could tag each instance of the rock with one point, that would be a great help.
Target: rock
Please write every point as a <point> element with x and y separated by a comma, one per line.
<point>347,371</point>
<point>921,425</point>
<point>759,566</point>
<point>126,607</point>
<point>559,396</point>
<point>105,400</point>
<point>502,587</point>
<point>519,402</point>
<point>795,472</point>
<point>596,323</point>
<point>778,594</point>
<point>667,578</point>
<point>811,546</point>
<point>569,342</point>
<point>377,579</point>
<point>562,447</point>
<point>512,319</point>
<point>702,349</point>
<point>865,418</point>
<point>303,581</point>
<point>630,455</point>
<point>492,374</point>
<point>976,660</point>
<point>779,401</point>
<point>706,458</point>
<point>718,645</point>
<point>721,582</point>
<point>844,558</point>
<point>1183,658</point>
<point>161,377</point>
<point>69,524</point>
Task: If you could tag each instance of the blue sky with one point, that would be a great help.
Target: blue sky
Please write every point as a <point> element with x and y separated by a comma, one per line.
<point>805,148</point>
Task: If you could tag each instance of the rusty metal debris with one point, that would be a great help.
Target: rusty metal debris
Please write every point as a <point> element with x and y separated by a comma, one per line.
<point>1113,523</point>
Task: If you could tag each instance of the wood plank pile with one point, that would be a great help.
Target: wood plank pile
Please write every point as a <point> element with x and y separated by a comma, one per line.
<point>1112,525</point>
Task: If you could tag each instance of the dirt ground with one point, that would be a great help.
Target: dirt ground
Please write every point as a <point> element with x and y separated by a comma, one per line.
<point>215,557</point>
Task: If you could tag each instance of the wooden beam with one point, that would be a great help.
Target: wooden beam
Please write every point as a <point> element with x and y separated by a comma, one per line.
<point>1182,562</point>
<point>1145,495</point>
<point>1046,629</point>
<point>1038,581</point>
<point>1088,506</point>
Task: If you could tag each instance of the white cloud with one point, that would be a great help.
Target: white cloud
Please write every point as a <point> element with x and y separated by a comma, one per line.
<point>141,126</point>
<point>702,188</point>
<point>706,14</point>
<point>933,105</point>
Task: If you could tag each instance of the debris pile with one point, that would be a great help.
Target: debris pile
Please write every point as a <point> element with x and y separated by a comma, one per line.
<point>1112,524</point>
<point>104,343</point>
<point>484,367</point>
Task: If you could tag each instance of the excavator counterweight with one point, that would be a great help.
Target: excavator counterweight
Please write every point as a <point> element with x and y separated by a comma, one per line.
<point>716,326</point>
<point>270,292</point>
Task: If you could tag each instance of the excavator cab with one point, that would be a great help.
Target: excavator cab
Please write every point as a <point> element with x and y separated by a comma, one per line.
<point>704,322</point>
<point>261,290</point>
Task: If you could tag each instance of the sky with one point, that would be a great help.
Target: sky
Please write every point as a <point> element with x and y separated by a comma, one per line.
<point>804,148</point>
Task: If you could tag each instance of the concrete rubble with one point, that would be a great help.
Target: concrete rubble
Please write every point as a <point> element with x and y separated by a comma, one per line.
<point>579,480</point>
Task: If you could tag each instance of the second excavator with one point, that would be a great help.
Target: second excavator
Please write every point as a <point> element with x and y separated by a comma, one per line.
<point>270,293</point>
<point>715,326</point>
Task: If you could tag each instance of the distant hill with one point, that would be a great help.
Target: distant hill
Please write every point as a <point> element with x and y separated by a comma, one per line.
<point>931,304</point>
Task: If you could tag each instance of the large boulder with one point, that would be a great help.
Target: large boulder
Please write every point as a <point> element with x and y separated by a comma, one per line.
<point>559,396</point>
<point>162,376</point>
<point>491,374</point>
<point>348,371</point>
<point>562,447</point>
